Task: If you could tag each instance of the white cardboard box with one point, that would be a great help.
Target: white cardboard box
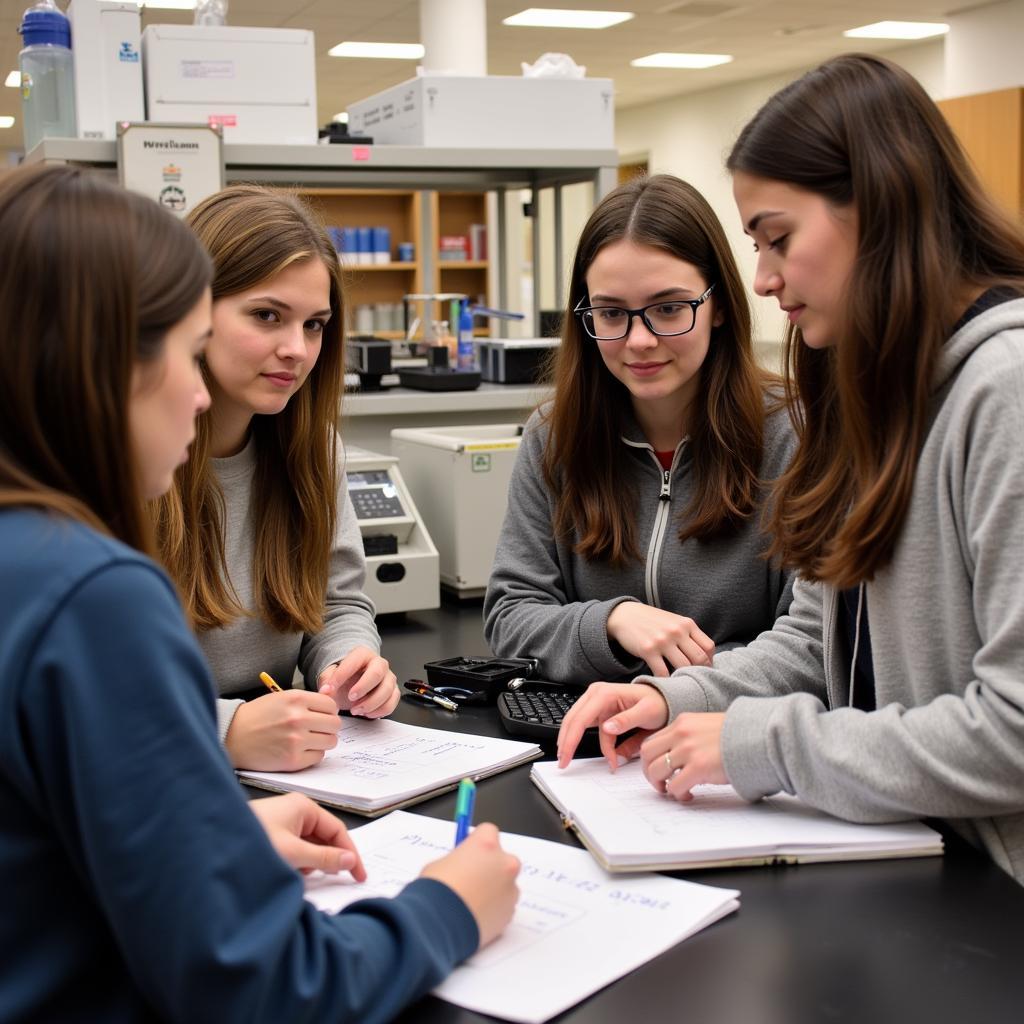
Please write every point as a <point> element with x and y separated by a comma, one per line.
<point>105,39</point>
<point>494,112</point>
<point>259,83</point>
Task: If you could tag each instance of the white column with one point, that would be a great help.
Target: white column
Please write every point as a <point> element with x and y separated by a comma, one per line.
<point>983,49</point>
<point>454,34</point>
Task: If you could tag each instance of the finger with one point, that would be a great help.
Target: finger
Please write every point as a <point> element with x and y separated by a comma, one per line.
<point>581,715</point>
<point>319,741</point>
<point>351,665</point>
<point>307,856</point>
<point>696,654</point>
<point>641,715</point>
<point>630,748</point>
<point>373,674</point>
<point>656,663</point>
<point>319,703</point>
<point>307,758</point>
<point>681,787</point>
<point>706,644</point>
<point>325,829</point>
<point>608,751</point>
<point>390,697</point>
<point>377,695</point>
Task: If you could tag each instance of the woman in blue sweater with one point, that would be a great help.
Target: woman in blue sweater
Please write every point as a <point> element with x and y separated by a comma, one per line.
<point>141,885</point>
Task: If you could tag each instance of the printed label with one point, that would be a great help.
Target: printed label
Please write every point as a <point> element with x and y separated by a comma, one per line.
<point>480,463</point>
<point>207,69</point>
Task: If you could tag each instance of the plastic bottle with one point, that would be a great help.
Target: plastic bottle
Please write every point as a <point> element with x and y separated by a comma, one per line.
<point>466,359</point>
<point>47,75</point>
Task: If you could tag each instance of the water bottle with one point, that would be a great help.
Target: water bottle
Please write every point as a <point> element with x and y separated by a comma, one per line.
<point>47,75</point>
<point>466,357</point>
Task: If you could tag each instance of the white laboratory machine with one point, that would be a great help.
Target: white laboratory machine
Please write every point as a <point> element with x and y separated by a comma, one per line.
<point>259,84</point>
<point>401,560</point>
<point>459,477</point>
<point>106,38</point>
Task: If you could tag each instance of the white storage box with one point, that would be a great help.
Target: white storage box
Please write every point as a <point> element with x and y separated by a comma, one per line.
<point>494,112</point>
<point>458,477</point>
<point>259,83</point>
<point>105,39</point>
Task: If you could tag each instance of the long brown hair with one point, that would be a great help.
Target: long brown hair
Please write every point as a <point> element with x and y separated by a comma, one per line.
<point>93,279</point>
<point>860,131</point>
<point>590,406</point>
<point>252,234</point>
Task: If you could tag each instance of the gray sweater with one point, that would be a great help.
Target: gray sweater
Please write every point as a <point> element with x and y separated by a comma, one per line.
<point>545,601</point>
<point>946,619</point>
<point>240,651</point>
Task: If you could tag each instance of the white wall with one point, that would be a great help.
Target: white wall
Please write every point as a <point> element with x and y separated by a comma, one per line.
<point>984,49</point>
<point>691,135</point>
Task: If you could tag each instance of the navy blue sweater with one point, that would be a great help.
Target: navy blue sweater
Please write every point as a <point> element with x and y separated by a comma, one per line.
<point>136,883</point>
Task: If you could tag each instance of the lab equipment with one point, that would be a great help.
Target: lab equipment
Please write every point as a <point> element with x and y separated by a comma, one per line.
<point>47,75</point>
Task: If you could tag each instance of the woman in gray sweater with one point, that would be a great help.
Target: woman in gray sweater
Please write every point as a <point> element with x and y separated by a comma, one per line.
<point>258,531</point>
<point>632,535</point>
<point>894,688</point>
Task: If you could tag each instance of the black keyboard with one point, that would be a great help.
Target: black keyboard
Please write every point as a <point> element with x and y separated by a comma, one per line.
<point>537,713</point>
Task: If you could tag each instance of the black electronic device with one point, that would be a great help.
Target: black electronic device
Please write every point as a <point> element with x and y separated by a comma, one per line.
<point>537,709</point>
<point>479,675</point>
<point>371,358</point>
<point>437,375</point>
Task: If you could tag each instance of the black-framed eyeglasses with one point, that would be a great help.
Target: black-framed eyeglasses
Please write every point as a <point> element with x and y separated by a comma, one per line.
<point>665,319</point>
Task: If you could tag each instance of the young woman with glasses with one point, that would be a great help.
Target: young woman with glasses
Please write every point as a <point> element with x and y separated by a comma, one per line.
<point>258,530</point>
<point>140,885</point>
<point>632,536</point>
<point>894,688</point>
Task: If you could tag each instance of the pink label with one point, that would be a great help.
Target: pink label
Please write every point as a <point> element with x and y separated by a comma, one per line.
<point>361,152</point>
<point>227,120</point>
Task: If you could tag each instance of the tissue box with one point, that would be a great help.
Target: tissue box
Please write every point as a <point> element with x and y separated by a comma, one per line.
<point>494,112</point>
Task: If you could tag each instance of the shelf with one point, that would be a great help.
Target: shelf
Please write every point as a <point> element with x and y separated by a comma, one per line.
<point>462,264</point>
<point>357,268</point>
<point>488,397</point>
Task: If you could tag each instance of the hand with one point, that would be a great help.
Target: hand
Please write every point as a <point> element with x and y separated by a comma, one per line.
<point>363,683</point>
<point>615,708</point>
<point>282,732</point>
<point>306,836</point>
<point>693,745</point>
<point>483,876</point>
<point>664,640</point>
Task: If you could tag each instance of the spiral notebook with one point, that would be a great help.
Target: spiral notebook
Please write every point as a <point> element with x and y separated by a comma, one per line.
<point>628,826</point>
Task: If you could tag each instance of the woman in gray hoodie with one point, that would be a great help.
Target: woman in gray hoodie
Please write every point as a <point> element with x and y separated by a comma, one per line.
<point>632,535</point>
<point>894,688</point>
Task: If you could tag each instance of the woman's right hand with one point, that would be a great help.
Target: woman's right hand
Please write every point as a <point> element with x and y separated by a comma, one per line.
<point>614,708</point>
<point>483,876</point>
<point>282,732</point>
<point>665,641</point>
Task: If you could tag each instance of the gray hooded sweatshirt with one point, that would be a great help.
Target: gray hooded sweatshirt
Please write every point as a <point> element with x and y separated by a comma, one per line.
<point>946,619</point>
<point>545,601</point>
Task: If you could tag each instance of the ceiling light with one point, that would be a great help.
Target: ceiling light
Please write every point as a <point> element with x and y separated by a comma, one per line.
<point>6,121</point>
<point>169,5</point>
<point>898,30</point>
<point>551,17</point>
<point>13,80</point>
<point>341,118</point>
<point>386,51</point>
<point>694,61</point>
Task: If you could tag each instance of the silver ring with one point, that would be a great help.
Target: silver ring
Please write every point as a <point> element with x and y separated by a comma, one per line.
<point>668,762</point>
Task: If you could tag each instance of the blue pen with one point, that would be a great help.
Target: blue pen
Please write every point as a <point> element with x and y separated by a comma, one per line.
<point>464,809</point>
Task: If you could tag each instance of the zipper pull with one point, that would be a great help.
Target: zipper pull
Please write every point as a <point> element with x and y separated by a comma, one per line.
<point>666,476</point>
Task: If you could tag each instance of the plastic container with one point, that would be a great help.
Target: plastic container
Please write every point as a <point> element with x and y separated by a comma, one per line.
<point>466,355</point>
<point>47,75</point>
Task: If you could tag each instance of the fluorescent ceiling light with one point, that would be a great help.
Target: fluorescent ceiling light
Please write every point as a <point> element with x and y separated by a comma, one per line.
<point>681,60</point>
<point>169,5</point>
<point>6,121</point>
<point>341,118</point>
<point>386,51</point>
<point>13,80</point>
<point>898,30</point>
<point>551,17</point>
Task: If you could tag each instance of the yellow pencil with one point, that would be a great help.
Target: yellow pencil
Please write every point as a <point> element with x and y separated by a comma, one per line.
<point>268,681</point>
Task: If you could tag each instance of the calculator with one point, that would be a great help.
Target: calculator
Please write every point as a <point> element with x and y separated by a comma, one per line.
<point>536,712</point>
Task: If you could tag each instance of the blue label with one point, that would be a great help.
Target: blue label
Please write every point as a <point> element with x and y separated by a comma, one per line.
<point>128,54</point>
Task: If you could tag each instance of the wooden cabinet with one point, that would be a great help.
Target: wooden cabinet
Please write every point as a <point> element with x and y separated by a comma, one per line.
<point>401,211</point>
<point>990,127</point>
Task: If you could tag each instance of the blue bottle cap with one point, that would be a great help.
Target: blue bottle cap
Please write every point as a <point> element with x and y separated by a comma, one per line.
<point>45,27</point>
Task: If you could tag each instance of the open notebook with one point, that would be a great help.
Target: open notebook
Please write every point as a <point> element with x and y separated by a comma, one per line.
<point>380,765</point>
<point>575,930</point>
<point>628,826</point>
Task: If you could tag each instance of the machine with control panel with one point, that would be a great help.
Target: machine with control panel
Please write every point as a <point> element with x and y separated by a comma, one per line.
<point>402,569</point>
